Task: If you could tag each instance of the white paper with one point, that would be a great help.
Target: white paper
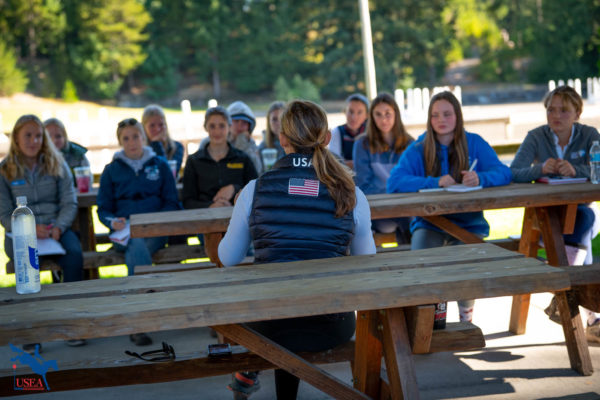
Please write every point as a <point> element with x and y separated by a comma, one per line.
<point>46,247</point>
<point>462,188</point>
<point>121,236</point>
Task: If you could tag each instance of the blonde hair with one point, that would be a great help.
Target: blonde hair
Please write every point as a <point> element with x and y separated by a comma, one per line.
<point>376,142</point>
<point>154,110</point>
<point>51,161</point>
<point>568,95</point>
<point>458,150</point>
<point>131,122</point>
<point>304,125</point>
<point>270,135</point>
<point>60,125</point>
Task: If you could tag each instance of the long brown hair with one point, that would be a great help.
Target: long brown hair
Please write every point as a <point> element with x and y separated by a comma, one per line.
<point>154,110</point>
<point>375,140</point>
<point>458,150</point>
<point>50,162</point>
<point>304,125</point>
<point>269,134</point>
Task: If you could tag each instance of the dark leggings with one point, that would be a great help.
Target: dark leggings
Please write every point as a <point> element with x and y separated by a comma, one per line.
<point>318,333</point>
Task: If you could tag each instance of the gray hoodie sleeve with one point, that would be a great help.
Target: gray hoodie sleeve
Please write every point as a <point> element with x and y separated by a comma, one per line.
<point>6,204</point>
<point>67,199</point>
<point>525,167</point>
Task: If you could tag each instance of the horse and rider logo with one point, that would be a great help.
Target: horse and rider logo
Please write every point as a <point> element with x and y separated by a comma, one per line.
<point>37,365</point>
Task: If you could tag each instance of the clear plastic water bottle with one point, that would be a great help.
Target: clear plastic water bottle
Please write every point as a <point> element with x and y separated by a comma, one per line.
<point>595,162</point>
<point>25,256</point>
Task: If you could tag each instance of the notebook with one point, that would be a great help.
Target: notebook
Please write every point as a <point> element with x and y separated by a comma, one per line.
<point>559,180</point>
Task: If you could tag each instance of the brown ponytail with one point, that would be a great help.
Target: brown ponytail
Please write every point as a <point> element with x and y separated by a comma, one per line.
<point>304,125</point>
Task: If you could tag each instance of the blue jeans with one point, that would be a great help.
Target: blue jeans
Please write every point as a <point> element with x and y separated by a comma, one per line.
<point>139,251</point>
<point>71,263</point>
<point>582,232</point>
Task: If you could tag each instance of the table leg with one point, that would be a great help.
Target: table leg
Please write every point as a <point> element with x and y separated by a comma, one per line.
<point>528,245</point>
<point>367,354</point>
<point>398,355</point>
<point>549,219</point>
<point>290,362</point>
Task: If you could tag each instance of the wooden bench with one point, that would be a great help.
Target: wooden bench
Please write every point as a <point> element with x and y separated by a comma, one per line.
<point>105,372</point>
<point>92,260</point>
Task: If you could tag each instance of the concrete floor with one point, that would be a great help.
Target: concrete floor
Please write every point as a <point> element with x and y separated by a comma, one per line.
<point>530,366</point>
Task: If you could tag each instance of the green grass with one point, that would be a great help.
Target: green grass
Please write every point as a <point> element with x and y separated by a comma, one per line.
<point>503,223</point>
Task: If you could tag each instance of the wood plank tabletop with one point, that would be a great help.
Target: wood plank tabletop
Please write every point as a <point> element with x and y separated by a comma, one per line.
<point>211,220</point>
<point>234,295</point>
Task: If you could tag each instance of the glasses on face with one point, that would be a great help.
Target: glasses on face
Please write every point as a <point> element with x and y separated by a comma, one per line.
<point>167,353</point>
<point>127,122</point>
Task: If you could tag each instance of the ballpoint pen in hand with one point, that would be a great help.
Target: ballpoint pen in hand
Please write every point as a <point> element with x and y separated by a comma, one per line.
<point>473,165</point>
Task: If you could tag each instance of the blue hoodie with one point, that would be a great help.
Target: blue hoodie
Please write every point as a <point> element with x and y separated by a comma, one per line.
<point>136,186</point>
<point>409,176</point>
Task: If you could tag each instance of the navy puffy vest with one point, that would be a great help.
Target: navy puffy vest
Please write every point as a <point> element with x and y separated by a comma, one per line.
<point>292,215</point>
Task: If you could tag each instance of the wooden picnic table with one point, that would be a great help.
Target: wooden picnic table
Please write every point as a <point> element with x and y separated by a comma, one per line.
<point>549,213</point>
<point>384,288</point>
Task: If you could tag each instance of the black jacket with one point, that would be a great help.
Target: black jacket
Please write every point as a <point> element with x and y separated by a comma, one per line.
<point>203,177</point>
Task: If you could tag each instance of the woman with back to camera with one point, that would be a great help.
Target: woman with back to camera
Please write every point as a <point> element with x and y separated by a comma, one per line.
<point>332,220</point>
<point>561,148</point>
<point>35,169</point>
<point>376,153</point>
<point>444,156</point>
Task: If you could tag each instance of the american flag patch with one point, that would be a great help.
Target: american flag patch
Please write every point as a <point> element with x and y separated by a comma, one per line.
<point>303,187</point>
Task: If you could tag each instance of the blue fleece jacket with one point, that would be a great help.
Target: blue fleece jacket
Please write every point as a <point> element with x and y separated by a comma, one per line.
<point>123,191</point>
<point>372,169</point>
<point>409,176</point>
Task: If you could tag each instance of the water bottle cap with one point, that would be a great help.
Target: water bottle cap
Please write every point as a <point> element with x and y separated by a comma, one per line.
<point>22,200</point>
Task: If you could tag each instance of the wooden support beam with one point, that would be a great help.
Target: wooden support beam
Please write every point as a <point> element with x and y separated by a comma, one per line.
<point>289,361</point>
<point>419,322</point>
<point>449,227</point>
<point>367,355</point>
<point>398,355</point>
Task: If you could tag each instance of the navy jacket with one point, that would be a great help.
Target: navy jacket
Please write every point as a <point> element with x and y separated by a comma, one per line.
<point>293,215</point>
<point>124,192</point>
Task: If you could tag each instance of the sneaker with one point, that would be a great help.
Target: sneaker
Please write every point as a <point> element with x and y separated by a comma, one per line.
<point>552,311</point>
<point>592,333</point>
<point>30,348</point>
<point>76,342</point>
<point>244,384</point>
<point>140,339</point>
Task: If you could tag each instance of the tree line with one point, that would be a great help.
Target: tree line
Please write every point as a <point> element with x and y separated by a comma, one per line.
<point>97,49</point>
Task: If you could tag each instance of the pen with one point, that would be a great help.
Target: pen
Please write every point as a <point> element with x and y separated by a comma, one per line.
<point>473,165</point>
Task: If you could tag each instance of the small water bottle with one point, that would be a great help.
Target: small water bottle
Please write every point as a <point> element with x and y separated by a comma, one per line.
<point>595,162</point>
<point>439,319</point>
<point>25,256</point>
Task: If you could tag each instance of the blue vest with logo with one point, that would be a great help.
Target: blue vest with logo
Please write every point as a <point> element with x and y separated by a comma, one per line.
<point>293,215</point>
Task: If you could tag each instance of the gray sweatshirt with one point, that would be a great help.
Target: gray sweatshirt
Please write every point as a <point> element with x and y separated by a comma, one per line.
<point>539,145</point>
<point>52,199</point>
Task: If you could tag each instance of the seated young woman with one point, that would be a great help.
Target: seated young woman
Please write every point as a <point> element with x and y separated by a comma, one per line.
<point>136,181</point>
<point>344,136</point>
<point>155,125</point>
<point>376,153</point>
<point>561,148</point>
<point>440,158</point>
<point>217,171</point>
<point>306,207</point>
<point>35,169</point>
